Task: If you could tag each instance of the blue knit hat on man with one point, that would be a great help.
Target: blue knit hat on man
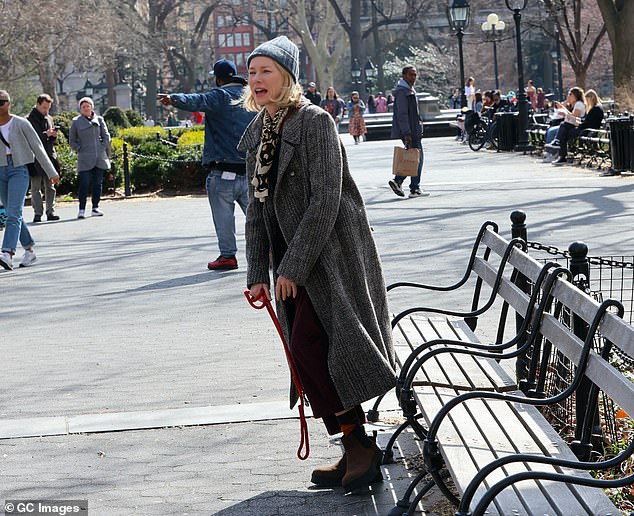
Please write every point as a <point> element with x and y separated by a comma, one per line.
<point>282,50</point>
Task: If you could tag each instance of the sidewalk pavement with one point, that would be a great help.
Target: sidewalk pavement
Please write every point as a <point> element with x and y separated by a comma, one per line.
<point>118,339</point>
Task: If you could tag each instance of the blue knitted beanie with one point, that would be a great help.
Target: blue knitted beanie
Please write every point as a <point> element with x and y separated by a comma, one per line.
<point>282,50</point>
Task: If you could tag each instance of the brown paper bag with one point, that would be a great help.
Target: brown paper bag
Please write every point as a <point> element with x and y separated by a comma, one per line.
<point>405,161</point>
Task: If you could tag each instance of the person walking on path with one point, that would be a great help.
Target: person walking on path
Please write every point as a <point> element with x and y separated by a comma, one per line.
<point>407,125</point>
<point>19,146</point>
<point>334,105</point>
<point>90,139</point>
<point>312,94</point>
<point>226,185</point>
<point>45,128</point>
<point>307,222</point>
<point>356,125</point>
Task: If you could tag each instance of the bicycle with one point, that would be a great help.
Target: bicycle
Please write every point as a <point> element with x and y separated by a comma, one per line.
<point>481,133</point>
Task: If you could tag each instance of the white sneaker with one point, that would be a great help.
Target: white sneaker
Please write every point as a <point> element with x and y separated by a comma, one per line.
<point>81,214</point>
<point>28,259</point>
<point>6,261</point>
<point>549,158</point>
<point>96,212</point>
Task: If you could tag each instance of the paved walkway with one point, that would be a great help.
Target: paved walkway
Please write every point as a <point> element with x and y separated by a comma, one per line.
<point>119,331</point>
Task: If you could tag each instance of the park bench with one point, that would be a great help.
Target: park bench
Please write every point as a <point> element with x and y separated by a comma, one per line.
<point>502,454</point>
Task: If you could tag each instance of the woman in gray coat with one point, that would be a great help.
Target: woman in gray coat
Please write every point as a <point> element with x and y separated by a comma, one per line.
<point>307,220</point>
<point>89,137</point>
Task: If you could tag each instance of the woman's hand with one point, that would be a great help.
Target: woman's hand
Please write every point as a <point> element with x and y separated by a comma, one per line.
<point>257,289</point>
<point>285,288</point>
<point>54,180</point>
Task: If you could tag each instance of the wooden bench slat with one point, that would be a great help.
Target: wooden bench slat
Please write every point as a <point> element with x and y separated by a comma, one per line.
<point>433,370</point>
<point>498,376</point>
<point>511,431</point>
<point>454,446</point>
<point>594,499</point>
<point>465,374</point>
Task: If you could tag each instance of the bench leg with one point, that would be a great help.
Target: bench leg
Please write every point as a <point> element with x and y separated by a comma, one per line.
<point>404,506</point>
<point>373,414</point>
<point>388,453</point>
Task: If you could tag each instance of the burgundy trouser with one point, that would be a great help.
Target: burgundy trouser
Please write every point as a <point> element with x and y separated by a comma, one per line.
<point>309,349</point>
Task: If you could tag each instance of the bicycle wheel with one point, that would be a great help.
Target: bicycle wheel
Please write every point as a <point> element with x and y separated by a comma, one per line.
<point>477,138</point>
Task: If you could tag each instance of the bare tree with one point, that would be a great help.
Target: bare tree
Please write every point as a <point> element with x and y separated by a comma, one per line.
<point>579,35</point>
<point>618,16</point>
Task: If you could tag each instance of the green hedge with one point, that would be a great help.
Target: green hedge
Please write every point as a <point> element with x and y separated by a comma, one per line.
<point>179,166</point>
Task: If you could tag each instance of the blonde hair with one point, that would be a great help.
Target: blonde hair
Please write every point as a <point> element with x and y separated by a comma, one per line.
<point>592,98</point>
<point>290,96</point>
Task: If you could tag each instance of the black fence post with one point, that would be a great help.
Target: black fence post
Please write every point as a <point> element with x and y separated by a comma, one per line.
<point>126,171</point>
<point>580,269</point>
<point>518,230</point>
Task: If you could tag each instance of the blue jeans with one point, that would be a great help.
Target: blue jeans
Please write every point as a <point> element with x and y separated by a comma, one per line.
<point>551,134</point>
<point>14,182</point>
<point>223,194</point>
<point>87,178</point>
<point>414,181</point>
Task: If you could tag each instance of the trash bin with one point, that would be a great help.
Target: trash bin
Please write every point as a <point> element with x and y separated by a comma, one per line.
<point>507,131</point>
<point>622,143</point>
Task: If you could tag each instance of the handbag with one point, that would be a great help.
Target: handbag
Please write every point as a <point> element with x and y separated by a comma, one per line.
<point>405,161</point>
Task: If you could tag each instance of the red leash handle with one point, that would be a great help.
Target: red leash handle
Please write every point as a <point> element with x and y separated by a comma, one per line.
<point>259,303</point>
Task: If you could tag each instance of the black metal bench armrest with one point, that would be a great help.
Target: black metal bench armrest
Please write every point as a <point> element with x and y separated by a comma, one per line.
<point>408,371</point>
<point>516,242</point>
<point>487,225</point>
<point>495,489</point>
<point>430,448</point>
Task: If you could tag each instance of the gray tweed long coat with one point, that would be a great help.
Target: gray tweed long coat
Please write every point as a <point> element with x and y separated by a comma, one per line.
<point>330,250</point>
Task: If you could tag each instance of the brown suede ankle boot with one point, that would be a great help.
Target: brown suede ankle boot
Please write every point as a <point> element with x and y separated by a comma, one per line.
<point>330,476</point>
<point>363,460</point>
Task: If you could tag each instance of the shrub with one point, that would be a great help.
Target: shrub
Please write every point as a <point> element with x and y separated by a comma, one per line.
<point>116,118</point>
<point>135,119</point>
<point>138,135</point>
<point>191,138</point>
<point>145,172</point>
<point>64,120</point>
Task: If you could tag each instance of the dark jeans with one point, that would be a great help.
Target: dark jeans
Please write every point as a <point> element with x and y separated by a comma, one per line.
<point>309,349</point>
<point>414,181</point>
<point>566,133</point>
<point>88,178</point>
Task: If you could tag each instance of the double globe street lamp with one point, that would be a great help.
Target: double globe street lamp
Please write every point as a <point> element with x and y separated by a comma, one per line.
<point>458,15</point>
<point>492,27</point>
<point>522,102</point>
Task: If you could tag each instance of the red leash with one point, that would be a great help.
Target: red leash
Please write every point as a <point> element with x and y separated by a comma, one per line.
<point>259,303</point>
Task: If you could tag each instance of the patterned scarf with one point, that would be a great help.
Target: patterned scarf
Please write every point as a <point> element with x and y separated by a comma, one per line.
<point>271,133</point>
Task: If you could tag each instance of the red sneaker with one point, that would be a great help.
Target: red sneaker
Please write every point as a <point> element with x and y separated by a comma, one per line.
<point>223,263</point>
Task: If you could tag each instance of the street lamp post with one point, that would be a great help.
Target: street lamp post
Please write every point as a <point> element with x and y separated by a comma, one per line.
<point>522,102</point>
<point>458,15</point>
<point>355,72</point>
<point>370,74</point>
<point>492,27</point>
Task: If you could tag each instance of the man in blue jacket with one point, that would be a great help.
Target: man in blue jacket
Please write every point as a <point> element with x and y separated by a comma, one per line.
<point>225,121</point>
<point>407,125</point>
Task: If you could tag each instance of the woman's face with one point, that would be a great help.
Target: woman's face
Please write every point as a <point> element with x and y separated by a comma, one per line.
<point>330,93</point>
<point>355,98</point>
<point>85,109</point>
<point>265,81</point>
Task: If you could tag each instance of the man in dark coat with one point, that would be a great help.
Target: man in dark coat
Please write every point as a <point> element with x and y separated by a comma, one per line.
<point>44,126</point>
<point>312,94</point>
<point>407,125</point>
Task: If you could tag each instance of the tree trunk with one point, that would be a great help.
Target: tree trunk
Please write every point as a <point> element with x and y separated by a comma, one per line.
<point>618,16</point>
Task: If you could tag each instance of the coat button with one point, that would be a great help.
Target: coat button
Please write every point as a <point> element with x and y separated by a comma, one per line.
<point>292,173</point>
